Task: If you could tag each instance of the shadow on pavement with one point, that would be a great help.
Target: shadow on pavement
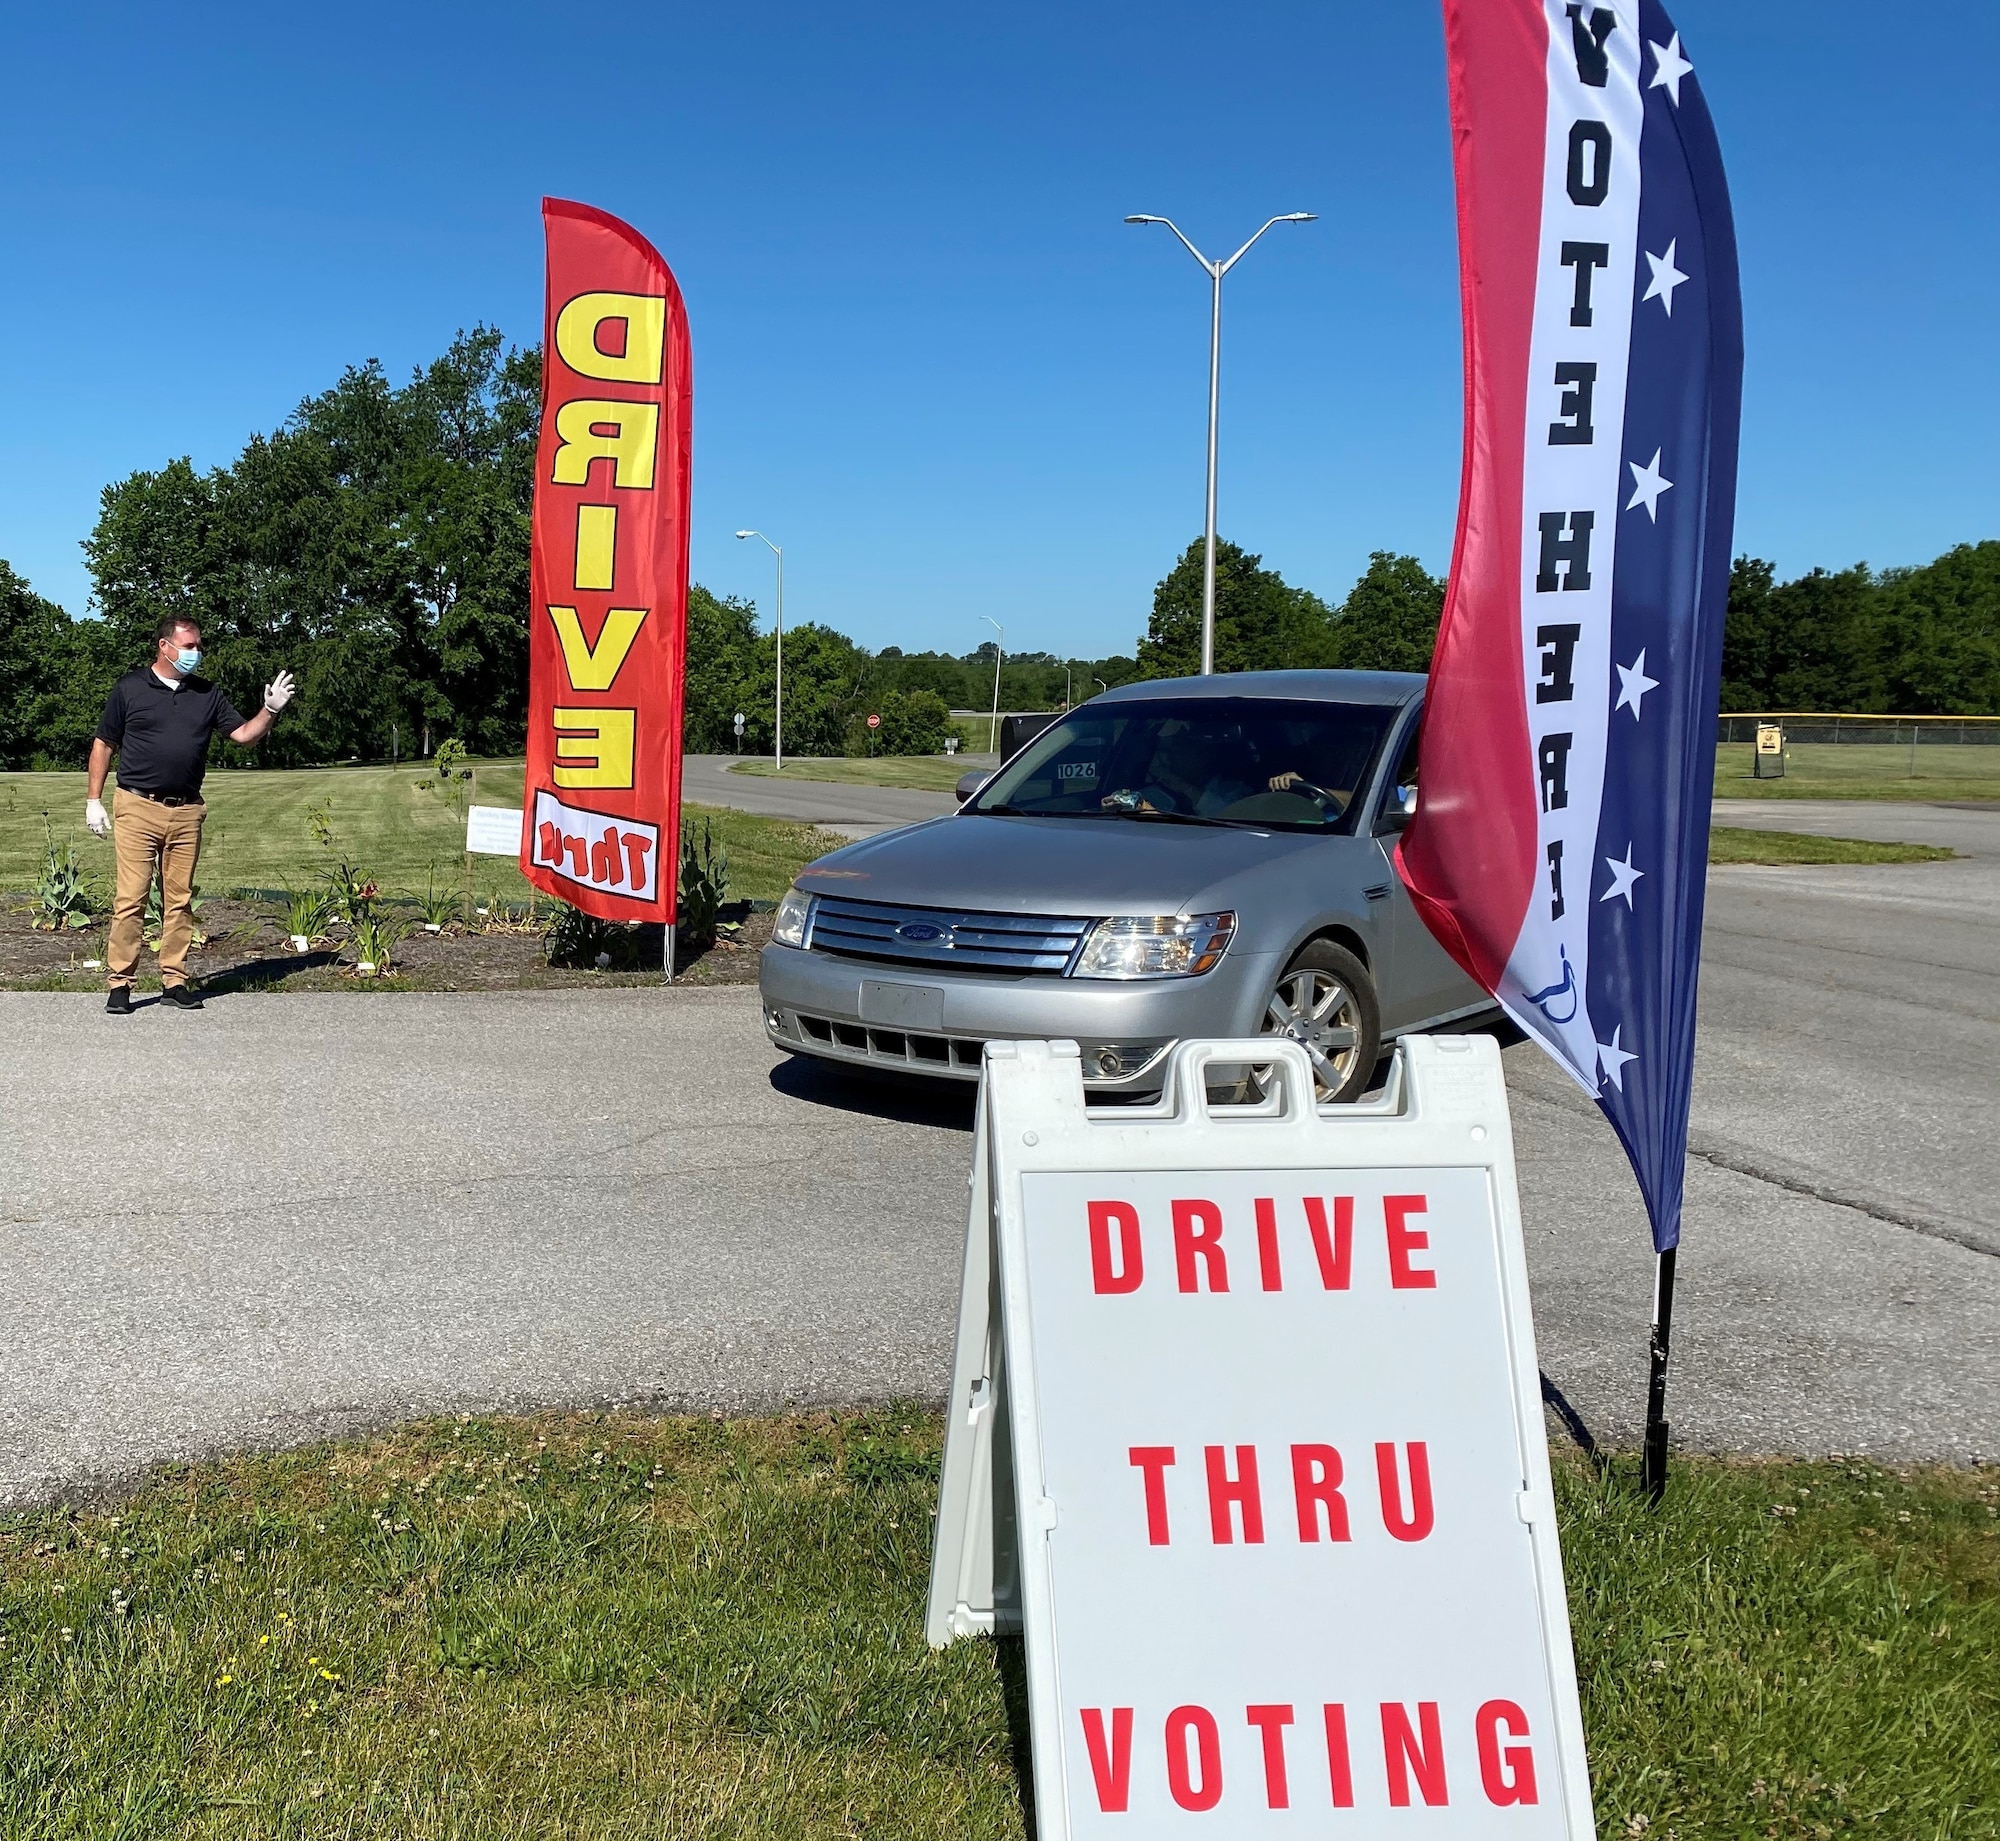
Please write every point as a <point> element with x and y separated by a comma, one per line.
<point>908,1100</point>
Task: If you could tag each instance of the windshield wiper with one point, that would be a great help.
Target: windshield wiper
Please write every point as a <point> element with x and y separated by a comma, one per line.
<point>1183,818</point>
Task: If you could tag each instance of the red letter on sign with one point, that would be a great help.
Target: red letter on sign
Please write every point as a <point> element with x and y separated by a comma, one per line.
<point>1267,1244</point>
<point>1336,1251</point>
<point>1222,1492</point>
<point>1316,1485</point>
<point>1339,1772</point>
<point>604,862</point>
<point>1198,1233</point>
<point>1208,1743</point>
<point>1419,1521</point>
<point>1402,1754</point>
<point>1153,1460</point>
<point>1110,1765</point>
<point>1271,1722</point>
<point>550,847</point>
<point>636,846</point>
<point>1405,1240</point>
<point>1103,1217</point>
<point>1509,1775</point>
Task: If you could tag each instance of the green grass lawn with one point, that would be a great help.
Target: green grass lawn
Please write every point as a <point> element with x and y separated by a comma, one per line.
<point>1864,770</point>
<point>256,834</point>
<point>933,772</point>
<point>616,1625</point>
<point>1742,844</point>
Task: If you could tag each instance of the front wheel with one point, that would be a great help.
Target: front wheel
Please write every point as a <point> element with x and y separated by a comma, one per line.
<point>1325,1001</point>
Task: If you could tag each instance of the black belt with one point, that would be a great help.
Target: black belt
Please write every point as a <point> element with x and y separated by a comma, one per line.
<point>163,798</point>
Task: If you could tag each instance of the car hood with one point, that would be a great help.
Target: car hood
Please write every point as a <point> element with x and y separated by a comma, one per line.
<point>1073,866</point>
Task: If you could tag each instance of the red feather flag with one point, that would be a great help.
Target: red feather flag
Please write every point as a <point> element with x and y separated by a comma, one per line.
<point>607,622</point>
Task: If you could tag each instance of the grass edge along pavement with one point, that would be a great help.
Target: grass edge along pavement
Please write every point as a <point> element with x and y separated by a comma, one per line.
<point>616,1624</point>
<point>1748,844</point>
<point>931,773</point>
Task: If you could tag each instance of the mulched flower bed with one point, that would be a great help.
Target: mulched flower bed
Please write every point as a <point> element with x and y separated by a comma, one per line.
<point>247,949</point>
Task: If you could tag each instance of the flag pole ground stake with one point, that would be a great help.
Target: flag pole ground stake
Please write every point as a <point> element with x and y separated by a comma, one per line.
<point>1653,1458</point>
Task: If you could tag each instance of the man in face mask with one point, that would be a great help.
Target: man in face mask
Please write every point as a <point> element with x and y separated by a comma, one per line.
<point>159,720</point>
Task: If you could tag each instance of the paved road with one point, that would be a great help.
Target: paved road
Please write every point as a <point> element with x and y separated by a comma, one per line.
<point>335,1211</point>
<point>1971,827</point>
<point>854,811</point>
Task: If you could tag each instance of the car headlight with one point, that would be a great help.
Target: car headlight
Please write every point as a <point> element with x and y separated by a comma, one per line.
<point>1155,945</point>
<point>794,916</point>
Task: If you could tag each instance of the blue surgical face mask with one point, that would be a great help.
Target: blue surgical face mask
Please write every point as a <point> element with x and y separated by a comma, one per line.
<point>186,659</point>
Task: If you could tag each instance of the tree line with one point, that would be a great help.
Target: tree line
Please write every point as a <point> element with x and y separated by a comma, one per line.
<point>377,545</point>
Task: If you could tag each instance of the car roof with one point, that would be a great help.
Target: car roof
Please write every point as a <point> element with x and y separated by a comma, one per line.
<point>1394,688</point>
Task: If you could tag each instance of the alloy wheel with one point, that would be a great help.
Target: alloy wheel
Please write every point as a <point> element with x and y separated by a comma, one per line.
<point>1317,1010</point>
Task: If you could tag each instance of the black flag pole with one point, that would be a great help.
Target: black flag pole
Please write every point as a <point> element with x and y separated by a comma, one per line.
<point>1653,1457</point>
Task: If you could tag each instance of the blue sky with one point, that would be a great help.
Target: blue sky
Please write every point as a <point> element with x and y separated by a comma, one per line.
<point>930,359</point>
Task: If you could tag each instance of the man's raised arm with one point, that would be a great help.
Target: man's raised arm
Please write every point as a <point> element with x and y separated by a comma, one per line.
<point>277,694</point>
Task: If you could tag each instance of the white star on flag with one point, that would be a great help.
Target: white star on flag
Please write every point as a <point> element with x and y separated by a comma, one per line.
<point>1612,1059</point>
<point>1647,485</point>
<point>1669,67</point>
<point>1666,278</point>
<point>1633,684</point>
<point>1623,875</point>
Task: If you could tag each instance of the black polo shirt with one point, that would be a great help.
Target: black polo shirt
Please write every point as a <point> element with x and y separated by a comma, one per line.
<point>161,731</point>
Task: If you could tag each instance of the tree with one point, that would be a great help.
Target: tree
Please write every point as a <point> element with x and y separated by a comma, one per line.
<point>913,722</point>
<point>377,544</point>
<point>58,674</point>
<point>1262,623</point>
<point>1940,633</point>
<point>1389,621</point>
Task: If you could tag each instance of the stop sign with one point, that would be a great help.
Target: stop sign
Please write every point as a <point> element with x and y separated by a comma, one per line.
<point>874,722</point>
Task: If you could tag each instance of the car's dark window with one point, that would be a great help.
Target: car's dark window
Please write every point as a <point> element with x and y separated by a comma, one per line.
<point>1234,760</point>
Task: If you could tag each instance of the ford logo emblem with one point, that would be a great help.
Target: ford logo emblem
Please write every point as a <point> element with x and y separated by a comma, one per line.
<point>919,931</point>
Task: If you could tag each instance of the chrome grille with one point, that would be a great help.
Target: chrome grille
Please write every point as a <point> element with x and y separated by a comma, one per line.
<point>945,936</point>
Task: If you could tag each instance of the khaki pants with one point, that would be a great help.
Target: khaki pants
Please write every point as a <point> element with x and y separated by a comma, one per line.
<point>145,833</point>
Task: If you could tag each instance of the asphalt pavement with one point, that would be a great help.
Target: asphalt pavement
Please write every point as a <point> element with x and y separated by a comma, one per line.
<point>854,811</point>
<point>294,1215</point>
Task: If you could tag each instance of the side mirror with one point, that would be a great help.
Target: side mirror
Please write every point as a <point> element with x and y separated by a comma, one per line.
<point>1398,809</point>
<point>970,783</point>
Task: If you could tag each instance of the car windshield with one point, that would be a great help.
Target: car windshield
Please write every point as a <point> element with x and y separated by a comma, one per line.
<point>1267,763</point>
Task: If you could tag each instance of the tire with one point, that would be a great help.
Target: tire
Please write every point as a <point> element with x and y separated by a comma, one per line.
<point>1325,1001</point>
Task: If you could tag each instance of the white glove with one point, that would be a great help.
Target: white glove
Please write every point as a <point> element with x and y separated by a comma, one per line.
<point>278,692</point>
<point>96,820</point>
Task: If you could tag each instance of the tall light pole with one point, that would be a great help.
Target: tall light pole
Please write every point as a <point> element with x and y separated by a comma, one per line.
<point>778,702</point>
<point>999,652</point>
<point>1215,272</point>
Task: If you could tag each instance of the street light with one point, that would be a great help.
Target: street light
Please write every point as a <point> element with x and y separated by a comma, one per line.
<point>1215,272</point>
<point>778,702</point>
<point>999,652</point>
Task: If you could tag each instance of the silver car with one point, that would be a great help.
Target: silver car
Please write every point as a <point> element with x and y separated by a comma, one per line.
<point>1183,858</point>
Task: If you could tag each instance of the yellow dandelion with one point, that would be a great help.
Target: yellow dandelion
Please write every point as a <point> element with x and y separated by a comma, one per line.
<point>262,1640</point>
<point>222,1681</point>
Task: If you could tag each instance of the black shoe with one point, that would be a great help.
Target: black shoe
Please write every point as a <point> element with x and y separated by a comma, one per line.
<point>182,996</point>
<point>119,1003</point>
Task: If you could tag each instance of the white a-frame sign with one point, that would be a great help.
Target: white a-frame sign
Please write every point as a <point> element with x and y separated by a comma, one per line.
<point>1246,1438</point>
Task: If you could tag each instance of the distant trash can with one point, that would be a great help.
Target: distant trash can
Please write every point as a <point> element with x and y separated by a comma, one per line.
<point>1016,732</point>
<point>1768,763</point>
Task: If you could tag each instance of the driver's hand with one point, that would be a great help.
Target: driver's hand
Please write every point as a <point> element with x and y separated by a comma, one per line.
<point>1284,782</point>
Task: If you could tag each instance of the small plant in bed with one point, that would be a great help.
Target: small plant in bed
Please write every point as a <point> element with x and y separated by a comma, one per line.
<point>376,938</point>
<point>704,885</point>
<point>63,900</point>
<point>583,942</point>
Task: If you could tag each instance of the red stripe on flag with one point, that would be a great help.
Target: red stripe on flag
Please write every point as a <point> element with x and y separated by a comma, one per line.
<point>1468,858</point>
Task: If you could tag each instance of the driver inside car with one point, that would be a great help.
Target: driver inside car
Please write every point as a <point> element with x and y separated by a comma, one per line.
<point>1183,777</point>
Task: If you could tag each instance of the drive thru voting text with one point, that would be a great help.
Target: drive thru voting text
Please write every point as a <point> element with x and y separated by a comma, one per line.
<point>1246,1438</point>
